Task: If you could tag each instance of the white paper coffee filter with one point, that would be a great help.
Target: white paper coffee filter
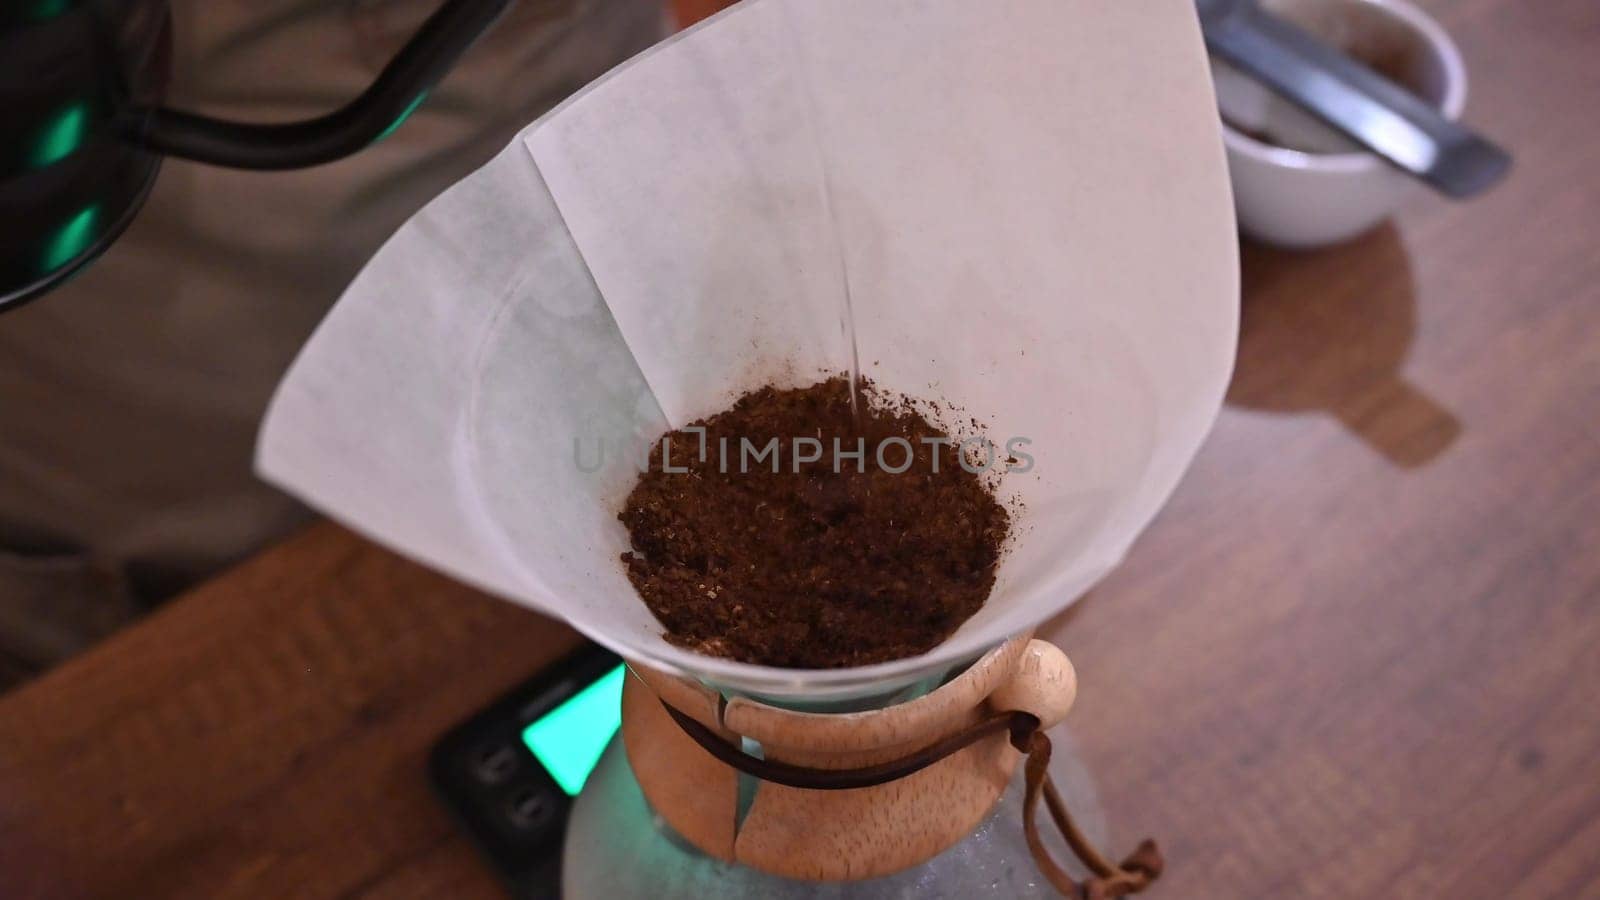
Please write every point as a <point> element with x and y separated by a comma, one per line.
<point>1031,204</point>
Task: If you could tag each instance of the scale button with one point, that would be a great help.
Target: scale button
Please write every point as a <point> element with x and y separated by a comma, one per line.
<point>530,808</point>
<point>494,763</point>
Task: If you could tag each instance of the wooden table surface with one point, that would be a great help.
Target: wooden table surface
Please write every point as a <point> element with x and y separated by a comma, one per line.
<point>1359,651</point>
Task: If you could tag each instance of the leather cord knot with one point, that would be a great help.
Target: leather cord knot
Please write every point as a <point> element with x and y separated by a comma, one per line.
<point>1106,881</point>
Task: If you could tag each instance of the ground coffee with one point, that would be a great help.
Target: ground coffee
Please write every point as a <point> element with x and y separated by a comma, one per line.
<point>819,552</point>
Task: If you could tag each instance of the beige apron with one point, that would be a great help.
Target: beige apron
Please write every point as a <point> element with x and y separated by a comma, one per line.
<point>129,399</point>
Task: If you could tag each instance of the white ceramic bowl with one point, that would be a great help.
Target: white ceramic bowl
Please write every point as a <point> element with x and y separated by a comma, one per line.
<point>1327,190</point>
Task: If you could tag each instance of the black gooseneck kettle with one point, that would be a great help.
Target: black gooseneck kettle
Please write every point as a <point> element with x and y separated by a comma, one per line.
<point>83,131</point>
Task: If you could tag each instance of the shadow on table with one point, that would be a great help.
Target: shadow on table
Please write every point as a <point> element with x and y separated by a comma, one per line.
<point>1328,331</point>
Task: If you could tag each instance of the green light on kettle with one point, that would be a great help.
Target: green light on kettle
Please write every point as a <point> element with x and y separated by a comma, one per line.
<point>49,9</point>
<point>61,136</point>
<point>71,239</point>
<point>401,119</point>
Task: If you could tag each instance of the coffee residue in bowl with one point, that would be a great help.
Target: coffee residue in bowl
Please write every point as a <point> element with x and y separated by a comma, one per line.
<point>781,560</point>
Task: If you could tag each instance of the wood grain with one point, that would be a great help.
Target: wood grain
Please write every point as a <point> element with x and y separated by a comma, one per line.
<point>1356,655</point>
<point>261,737</point>
<point>688,12</point>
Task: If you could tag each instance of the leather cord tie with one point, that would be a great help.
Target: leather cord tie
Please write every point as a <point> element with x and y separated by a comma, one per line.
<point>1132,875</point>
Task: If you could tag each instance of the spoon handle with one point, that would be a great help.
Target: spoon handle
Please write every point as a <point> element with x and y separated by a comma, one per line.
<point>1357,101</point>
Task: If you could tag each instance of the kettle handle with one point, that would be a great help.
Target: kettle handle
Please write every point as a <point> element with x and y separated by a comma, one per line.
<point>398,89</point>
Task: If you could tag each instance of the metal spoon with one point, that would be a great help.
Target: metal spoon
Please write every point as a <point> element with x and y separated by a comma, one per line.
<point>1370,109</point>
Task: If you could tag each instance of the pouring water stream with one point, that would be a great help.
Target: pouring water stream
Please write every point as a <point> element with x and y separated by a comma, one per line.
<point>847,317</point>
